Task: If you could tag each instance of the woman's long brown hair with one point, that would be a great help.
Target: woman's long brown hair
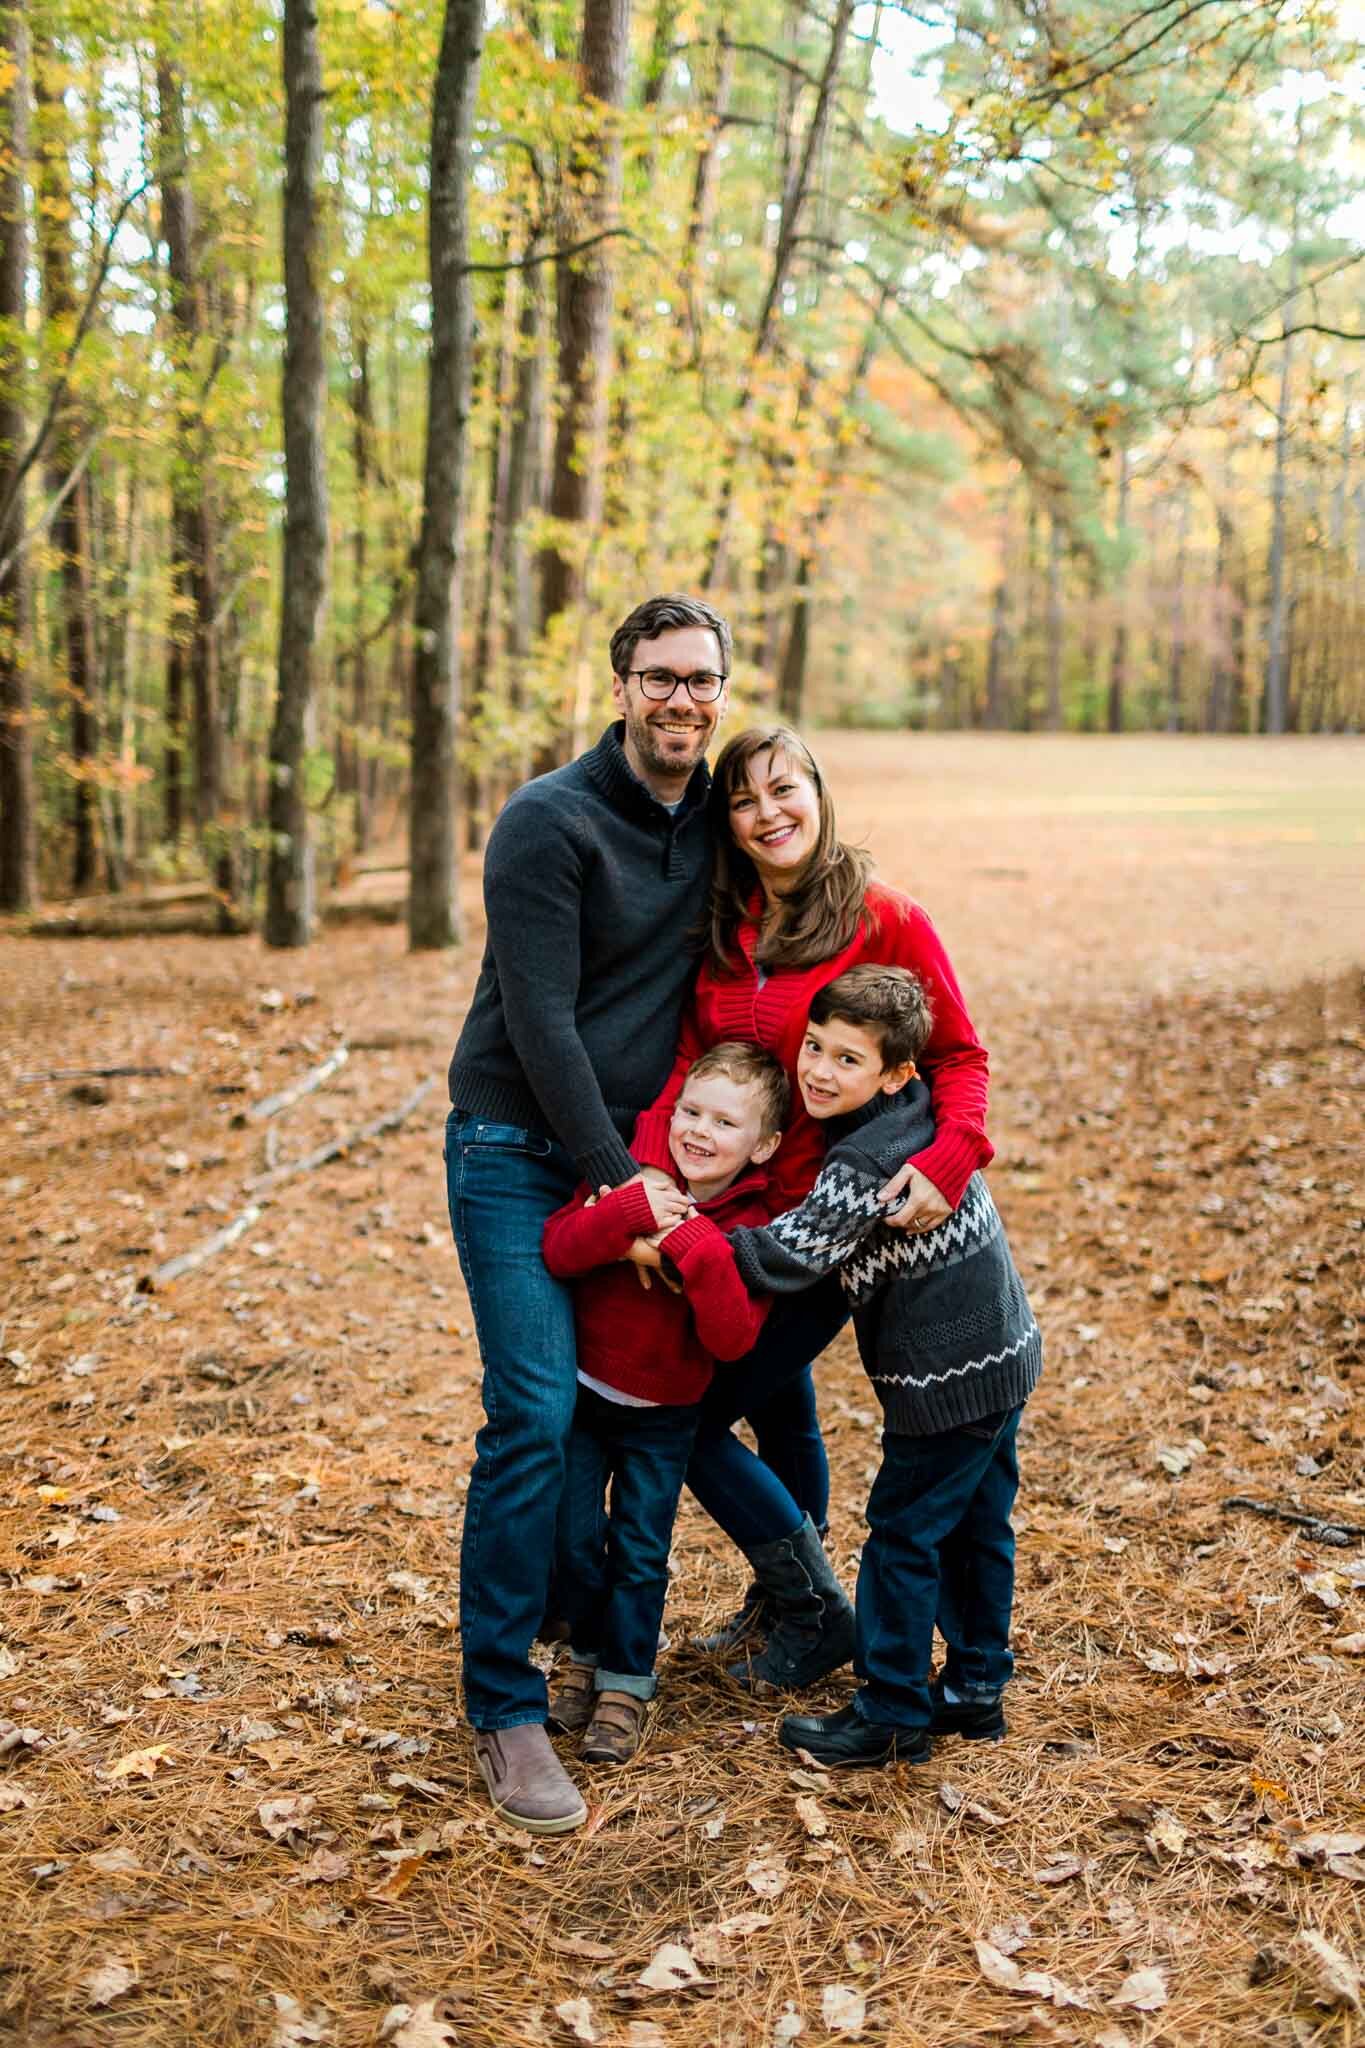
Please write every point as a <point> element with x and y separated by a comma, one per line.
<point>824,911</point>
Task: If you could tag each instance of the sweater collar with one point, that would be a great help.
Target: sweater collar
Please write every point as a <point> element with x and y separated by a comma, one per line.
<point>746,1188</point>
<point>905,1107</point>
<point>608,769</point>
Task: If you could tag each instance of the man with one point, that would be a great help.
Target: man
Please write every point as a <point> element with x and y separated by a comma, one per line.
<point>592,878</point>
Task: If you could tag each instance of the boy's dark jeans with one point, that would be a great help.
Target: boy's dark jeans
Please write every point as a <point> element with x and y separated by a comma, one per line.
<point>940,1549</point>
<point>612,1569</point>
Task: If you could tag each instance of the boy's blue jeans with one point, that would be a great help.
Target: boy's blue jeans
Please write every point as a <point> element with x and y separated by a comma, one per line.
<point>940,1549</point>
<point>612,1568</point>
<point>502,1182</point>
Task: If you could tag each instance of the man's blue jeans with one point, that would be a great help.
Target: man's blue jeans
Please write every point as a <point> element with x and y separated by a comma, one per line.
<point>613,1569</point>
<point>502,1183</point>
<point>940,1549</point>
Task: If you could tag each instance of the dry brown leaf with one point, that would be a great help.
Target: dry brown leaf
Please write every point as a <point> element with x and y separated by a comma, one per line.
<point>397,1881</point>
<point>811,1818</point>
<point>117,1862</point>
<point>1167,1833</point>
<point>1349,1646</point>
<point>949,1797</point>
<point>141,1763</point>
<point>412,1583</point>
<point>297,2027</point>
<point>767,1875</point>
<point>275,1751</point>
<point>1332,1979</point>
<point>418,2026</point>
<point>1144,1990</point>
<point>645,2034</point>
<point>108,1981</point>
<point>290,1814</point>
<point>1010,1936</point>
<point>576,2014</point>
<point>1006,1975</point>
<point>325,1866</point>
<point>581,1945</point>
<point>425,1788</point>
<point>843,2010</point>
<point>1064,1868</point>
<point>13,1797</point>
<point>670,1968</point>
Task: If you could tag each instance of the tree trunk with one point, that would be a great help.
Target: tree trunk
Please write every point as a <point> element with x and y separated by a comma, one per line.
<point>1277,624</point>
<point>1175,696</point>
<point>791,684</point>
<point>1056,624</point>
<point>433,903</point>
<point>586,287</point>
<point>525,441</point>
<point>194,599</point>
<point>1118,660</point>
<point>361,437</point>
<point>705,184</point>
<point>18,861</point>
<point>290,873</point>
<point>71,524</point>
<point>480,780</point>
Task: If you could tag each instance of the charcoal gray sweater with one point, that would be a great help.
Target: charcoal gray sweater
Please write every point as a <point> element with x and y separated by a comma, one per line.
<point>591,887</point>
<point>943,1324</point>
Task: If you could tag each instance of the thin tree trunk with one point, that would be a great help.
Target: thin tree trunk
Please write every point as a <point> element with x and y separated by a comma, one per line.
<point>791,683</point>
<point>1119,655</point>
<point>480,779</point>
<point>18,859</point>
<point>71,524</point>
<point>290,879</point>
<point>706,184</point>
<point>586,288</point>
<point>362,434</point>
<point>1175,697</point>
<point>193,580</point>
<point>1056,623</point>
<point>525,441</point>
<point>1277,666</point>
<point>433,903</point>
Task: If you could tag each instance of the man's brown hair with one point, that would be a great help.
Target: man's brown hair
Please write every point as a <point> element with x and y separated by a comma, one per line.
<point>667,614</point>
<point>887,1001</point>
<point>747,1065</point>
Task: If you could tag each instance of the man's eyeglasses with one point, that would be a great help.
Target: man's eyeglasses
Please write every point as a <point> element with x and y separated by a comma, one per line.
<point>658,684</point>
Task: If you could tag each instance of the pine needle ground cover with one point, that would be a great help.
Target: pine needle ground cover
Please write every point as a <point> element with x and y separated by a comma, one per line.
<point>236,1802</point>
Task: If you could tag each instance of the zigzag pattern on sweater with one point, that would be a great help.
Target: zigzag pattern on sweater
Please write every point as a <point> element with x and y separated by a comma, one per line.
<point>933,1379</point>
<point>891,1252</point>
<point>838,1208</point>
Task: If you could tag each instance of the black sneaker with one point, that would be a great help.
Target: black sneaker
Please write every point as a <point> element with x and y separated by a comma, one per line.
<point>973,1720</point>
<point>846,1739</point>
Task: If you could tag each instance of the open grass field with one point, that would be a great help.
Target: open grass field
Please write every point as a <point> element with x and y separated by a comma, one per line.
<point>236,1802</point>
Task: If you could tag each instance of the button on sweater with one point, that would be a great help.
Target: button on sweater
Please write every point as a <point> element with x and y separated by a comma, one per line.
<point>591,887</point>
<point>652,1342</point>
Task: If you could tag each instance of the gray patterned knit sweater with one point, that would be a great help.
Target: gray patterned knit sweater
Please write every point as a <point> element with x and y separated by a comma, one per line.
<point>943,1324</point>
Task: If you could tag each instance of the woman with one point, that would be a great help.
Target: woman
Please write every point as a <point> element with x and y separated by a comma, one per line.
<point>791,908</point>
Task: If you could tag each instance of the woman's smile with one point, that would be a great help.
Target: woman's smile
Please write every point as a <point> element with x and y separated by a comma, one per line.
<point>775,818</point>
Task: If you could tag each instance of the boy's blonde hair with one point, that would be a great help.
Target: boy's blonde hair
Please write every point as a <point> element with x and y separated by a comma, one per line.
<point>749,1066</point>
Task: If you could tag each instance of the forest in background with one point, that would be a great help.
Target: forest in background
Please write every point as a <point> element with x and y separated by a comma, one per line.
<point>991,364</point>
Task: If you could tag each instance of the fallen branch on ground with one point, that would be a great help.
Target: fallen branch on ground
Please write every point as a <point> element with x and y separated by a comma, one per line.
<point>1318,1530</point>
<point>336,1146</point>
<point>185,1262</point>
<point>265,1184</point>
<point>96,1074</point>
<point>271,1105</point>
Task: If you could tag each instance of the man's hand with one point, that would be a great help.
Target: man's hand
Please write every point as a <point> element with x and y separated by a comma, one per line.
<point>912,1202</point>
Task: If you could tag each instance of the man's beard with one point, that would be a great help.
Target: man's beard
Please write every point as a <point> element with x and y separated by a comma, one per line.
<point>655,753</point>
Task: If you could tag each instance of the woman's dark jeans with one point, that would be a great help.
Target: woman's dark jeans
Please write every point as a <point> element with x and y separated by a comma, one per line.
<point>612,1569</point>
<point>940,1549</point>
<point>762,1499</point>
<point>502,1182</point>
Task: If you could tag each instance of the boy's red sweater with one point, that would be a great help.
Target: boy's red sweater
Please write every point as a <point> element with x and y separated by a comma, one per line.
<point>652,1342</point>
<point>773,1012</point>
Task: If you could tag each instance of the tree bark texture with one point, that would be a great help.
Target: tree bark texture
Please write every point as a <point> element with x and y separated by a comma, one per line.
<point>192,653</point>
<point>1118,662</point>
<point>586,291</point>
<point>71,523</point>
<point>18,862</point>
<point>359,764</point>
<point>290,882</point>
<point>433,902</point>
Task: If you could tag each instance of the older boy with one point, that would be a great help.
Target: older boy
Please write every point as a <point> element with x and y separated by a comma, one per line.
<point>644,1362</point>
<point>950,1344</point>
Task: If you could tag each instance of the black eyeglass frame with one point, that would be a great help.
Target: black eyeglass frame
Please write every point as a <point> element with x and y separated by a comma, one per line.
<point>710,674</point>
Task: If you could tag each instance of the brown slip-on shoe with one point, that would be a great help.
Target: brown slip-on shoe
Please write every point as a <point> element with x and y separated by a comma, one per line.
<point>528,1785</point>
<point>571,1702</point>
<point>616,1729</point>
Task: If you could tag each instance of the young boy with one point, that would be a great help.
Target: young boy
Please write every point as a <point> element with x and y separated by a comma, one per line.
<point>644,1361</point>
<point>950,1344</point>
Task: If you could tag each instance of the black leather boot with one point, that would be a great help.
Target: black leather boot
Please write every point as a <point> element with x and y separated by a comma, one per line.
<point>846,1739</point>
<point>973,1720</point>
<point>812,1630</point>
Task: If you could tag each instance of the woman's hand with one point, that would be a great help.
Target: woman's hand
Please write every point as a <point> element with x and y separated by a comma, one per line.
<point>912,1202</point>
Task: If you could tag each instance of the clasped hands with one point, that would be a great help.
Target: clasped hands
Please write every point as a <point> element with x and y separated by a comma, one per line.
<point>669,1205</point>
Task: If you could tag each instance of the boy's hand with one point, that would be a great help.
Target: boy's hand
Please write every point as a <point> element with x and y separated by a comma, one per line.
<point>644,1256</point>
<point>912,1202</point>
<point>669,1205</point>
